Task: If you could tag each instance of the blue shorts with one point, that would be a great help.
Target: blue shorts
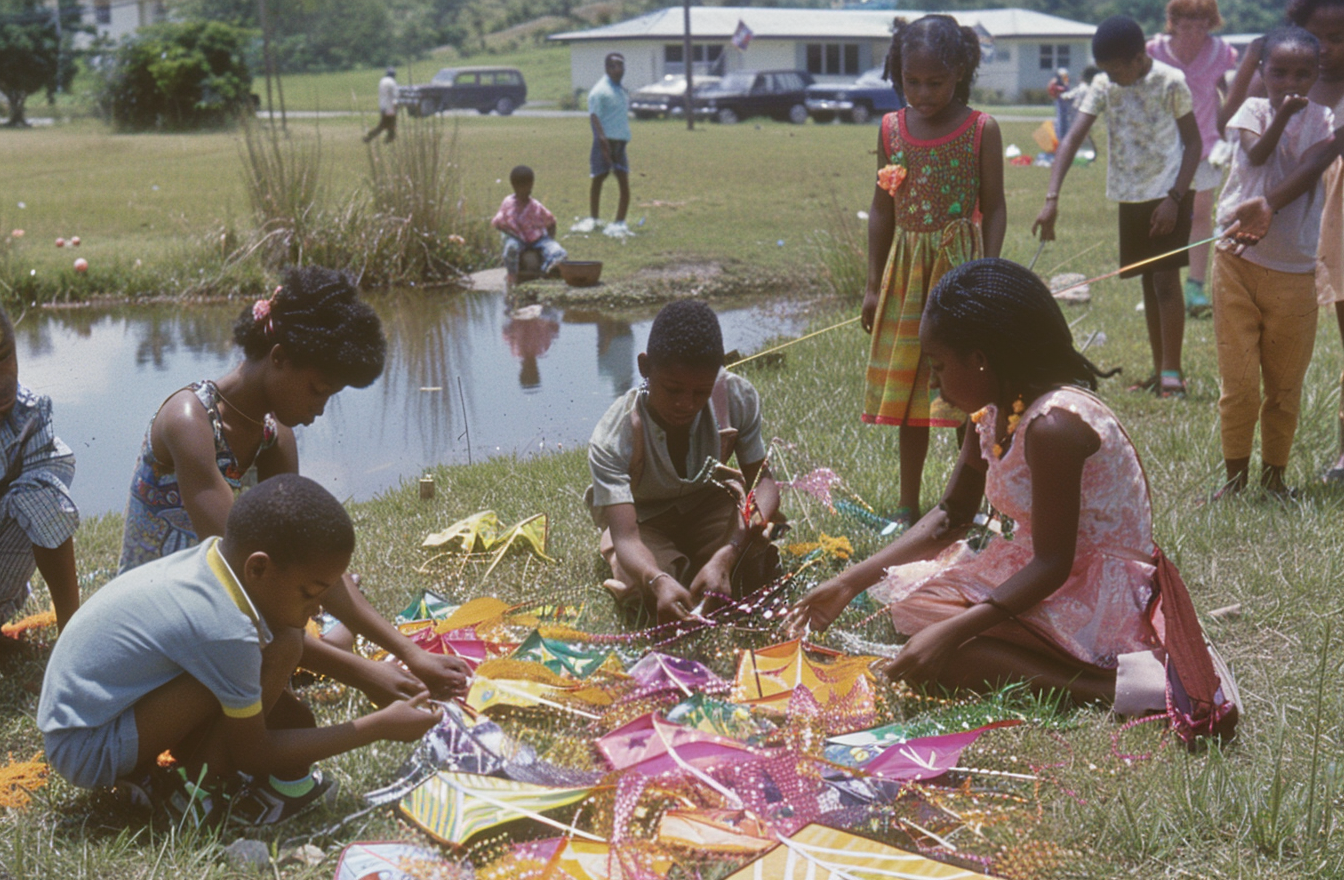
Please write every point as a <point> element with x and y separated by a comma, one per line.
<point>95,757</point>
<point>597,163</point>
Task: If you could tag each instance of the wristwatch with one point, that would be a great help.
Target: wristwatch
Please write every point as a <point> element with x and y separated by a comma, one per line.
<point>1177,197</point>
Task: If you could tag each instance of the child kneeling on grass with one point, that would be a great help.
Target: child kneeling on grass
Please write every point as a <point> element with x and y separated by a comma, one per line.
<point>674,535</point>
<point>192,653</point>
<point>1264,298</point>
<point>524,224</point>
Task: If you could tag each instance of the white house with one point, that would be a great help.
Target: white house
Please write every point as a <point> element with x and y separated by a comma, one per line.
<point>118,18</point>
<point>832,44</point>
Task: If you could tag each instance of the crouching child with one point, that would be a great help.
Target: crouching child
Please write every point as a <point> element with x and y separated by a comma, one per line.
<point>193,652</point>
<point>524,224</point>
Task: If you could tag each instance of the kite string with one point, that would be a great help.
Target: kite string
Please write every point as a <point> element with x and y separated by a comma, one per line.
<point>1119,271</point>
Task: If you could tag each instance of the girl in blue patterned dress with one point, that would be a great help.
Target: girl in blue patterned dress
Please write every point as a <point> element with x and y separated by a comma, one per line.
<point>309,340</point>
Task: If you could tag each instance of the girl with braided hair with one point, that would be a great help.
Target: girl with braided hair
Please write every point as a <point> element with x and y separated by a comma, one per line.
<point>938,202</point>
<point>312,337</point>
<point>1058,604</point>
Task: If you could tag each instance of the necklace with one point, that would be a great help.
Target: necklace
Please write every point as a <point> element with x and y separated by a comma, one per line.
<point>1013,419</point>
<point>235,408</point>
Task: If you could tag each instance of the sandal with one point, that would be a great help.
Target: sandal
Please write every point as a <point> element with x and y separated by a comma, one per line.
<point>1149,384</point>
<point>901,520</point>
<point>1171,385</point>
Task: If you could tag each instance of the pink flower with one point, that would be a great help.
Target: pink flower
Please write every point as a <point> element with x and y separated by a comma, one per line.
<point>261,310</point>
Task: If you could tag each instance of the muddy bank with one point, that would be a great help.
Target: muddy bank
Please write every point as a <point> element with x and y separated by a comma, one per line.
<point>725,282</point>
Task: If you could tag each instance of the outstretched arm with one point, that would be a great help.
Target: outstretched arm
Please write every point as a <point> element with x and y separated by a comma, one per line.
<point>1253,216</point>
<point>57,566</point>
<point>935,531</point>
<point>670,598</point>
<point>1045,220</point>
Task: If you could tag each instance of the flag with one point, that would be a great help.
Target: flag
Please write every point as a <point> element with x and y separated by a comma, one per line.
<point>742,36</point>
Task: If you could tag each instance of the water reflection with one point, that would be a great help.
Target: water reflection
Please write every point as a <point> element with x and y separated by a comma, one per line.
<point>465,377</point>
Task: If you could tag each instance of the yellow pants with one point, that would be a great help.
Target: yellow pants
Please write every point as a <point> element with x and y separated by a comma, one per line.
<point>1265,325</point>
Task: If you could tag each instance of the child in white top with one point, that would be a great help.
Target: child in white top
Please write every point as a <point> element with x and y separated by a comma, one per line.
<point>1264,298</point>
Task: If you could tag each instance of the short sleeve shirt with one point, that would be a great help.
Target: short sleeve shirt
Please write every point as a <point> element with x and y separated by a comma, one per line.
<point>610,103</point>
<point>660,487</point>
<point>1202,75</point>
<point>530,224</point>
<point>182,613</point>
<point>1145,147</point>
<point>1290,245</point>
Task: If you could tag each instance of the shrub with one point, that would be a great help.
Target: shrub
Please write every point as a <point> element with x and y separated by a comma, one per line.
<point>178,76</point>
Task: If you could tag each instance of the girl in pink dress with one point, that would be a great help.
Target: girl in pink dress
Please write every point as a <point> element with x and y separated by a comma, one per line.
<point>1055,605</point>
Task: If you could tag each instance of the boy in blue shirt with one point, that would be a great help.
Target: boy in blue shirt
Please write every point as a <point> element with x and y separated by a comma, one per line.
<point>609,114</point>
<point>193,652</point>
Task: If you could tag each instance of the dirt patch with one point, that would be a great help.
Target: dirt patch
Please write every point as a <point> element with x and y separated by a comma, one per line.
<point>655,285</point>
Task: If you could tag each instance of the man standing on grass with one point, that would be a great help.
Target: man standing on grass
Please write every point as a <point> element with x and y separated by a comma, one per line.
<point>387,107</point>
<point>609,114</point>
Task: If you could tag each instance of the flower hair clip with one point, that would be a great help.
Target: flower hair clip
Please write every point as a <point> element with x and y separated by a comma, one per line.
<point>261,311</point>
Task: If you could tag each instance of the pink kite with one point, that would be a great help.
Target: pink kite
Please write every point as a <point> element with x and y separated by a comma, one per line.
<point>928,756</point>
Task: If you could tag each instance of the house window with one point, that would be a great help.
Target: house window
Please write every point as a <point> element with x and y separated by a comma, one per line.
<point>102,12</point>
<point>833,59</point>
<point>1054,56</point>
<point>707,59</point>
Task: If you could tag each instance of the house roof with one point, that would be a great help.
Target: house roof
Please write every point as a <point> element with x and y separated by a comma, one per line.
<point>719,22</point>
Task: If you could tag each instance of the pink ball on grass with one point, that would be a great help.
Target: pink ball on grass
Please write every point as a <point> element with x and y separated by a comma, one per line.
<point>75,241</point>
<point>81,265</point>
<point>60,242</point>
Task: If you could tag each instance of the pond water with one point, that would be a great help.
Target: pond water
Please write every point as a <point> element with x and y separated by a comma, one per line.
<point>465,378</point>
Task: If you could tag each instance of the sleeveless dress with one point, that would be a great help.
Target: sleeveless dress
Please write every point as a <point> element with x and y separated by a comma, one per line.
<point>156,522</point>
<point>937,219</point>
<point>1101,610</point>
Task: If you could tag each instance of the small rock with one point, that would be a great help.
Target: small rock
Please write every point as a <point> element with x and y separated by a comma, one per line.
<point>244,854</point>
<point>306,855</point>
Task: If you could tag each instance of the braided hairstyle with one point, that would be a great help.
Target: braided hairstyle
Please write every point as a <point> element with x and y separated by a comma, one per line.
<point>686,332</point>
<point>317,316</point>
<point>1299,11</point>
<point>1004,311</point>
<point>953,45</point>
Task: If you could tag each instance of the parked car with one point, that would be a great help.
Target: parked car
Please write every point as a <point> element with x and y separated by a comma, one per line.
<point>483,89</point>
<point>867,97</point>
<point>666,98</point>
<point>743,93</point>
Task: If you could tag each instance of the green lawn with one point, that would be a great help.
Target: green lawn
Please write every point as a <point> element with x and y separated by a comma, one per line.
<point>1264,807</point>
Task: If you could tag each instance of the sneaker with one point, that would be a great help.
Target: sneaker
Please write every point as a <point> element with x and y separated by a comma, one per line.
<point>586,225</point>
<point>190,800</point>
<point>618,230</point>
<point>1196,303</point>
<point>260,804</point>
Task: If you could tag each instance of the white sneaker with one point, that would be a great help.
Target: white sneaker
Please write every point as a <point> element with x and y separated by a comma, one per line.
<point>618,230</point>
<point>587,224</point>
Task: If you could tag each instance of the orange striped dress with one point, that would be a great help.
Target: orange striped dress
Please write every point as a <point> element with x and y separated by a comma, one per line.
<point>937,227</point>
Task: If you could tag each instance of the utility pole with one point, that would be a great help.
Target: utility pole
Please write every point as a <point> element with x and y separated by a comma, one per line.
<point>690,64</point>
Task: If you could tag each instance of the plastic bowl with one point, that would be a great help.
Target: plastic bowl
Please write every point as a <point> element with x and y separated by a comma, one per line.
<point>581,273</point>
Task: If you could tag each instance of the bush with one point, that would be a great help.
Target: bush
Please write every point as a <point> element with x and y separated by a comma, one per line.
<point>178,77</point>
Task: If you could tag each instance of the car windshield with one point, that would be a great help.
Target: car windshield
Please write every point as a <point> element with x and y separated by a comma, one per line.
<point>444,77</point>
<point>872,79</point>
<point>736,82</point>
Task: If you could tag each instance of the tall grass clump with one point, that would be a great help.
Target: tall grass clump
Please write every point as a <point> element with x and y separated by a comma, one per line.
<point>842,252</point>
<point>406,225</point>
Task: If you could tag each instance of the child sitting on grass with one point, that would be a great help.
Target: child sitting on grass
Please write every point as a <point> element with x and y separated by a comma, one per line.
<point>524,224</point>
<point>311,338</point>
<point>193,652</point>
<point>38,517</point>
<point>673,534</point>
<point>1154,151</point>
<point>1264,298</point>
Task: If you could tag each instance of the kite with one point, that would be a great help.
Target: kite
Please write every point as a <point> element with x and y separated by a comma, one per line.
<point>768,677</point>
<point>816,852</point>
<point>394,860</point>
<point>816,483</point>
<point>927,757</point>
<point>475,534</point>
<point>657,671</point>
<point>430,606</point>
<point>564,858</point>
<point>454,807</point>
<point>561,657</point>
<point>651,746</point>
<point>727,832</point>
<point>715,716</point>
<point>475,612</point>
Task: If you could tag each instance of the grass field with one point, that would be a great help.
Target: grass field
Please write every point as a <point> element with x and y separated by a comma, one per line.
<point>1264,807</point>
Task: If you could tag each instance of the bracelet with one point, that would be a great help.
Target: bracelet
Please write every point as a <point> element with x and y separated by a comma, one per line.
<point>661,574</point>
<point>1052,197</point>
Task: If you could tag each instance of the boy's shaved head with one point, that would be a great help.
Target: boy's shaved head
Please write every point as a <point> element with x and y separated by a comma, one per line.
<point>1118,38</point>
<point>686,332</point>
<point>289,518</point>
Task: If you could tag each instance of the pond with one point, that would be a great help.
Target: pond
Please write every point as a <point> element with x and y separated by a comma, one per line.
<point>466,378</point>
